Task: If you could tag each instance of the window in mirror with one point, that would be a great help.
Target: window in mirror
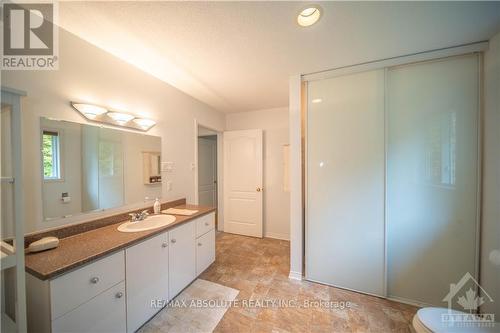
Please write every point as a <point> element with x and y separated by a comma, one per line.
<point>107,157</point>
<point>51,155</point>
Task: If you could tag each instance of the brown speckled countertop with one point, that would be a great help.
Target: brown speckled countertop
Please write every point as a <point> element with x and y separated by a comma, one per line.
<point>77,250</point>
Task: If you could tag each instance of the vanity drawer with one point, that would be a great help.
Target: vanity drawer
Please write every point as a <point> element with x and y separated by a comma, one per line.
<point>75,288</point>
<point>204,224</point>
<point>105,314</point>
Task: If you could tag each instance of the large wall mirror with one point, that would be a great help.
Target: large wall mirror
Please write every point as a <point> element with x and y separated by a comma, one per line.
<point>87,168</point>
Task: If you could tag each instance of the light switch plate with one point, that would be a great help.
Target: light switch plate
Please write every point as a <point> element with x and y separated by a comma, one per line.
<point>167,166</point>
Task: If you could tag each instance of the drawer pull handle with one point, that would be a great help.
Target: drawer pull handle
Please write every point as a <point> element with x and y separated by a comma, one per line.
<point>164,244</point>
<point>119,294</point>
<point>173,240</point>
<point>199,244</point>
<point>94,280</point>
<point>206,223</point>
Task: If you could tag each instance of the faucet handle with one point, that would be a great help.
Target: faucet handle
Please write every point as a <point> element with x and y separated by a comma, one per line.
<point>145,212</point>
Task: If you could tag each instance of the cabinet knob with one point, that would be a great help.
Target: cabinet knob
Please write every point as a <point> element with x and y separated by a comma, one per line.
<point>164,244</point>
<point>258,189</point>
<point>206,223</point>
<point>119,294</point>
<point>94,280</point>
<point>199,244</point>
<point>173,240</point>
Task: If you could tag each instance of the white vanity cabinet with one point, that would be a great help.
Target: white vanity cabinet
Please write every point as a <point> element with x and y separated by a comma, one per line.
<point>88,299</point>
<point>182,257</point>
<point>147,279</point>
<point>122,291</point>
<point>205,242</point>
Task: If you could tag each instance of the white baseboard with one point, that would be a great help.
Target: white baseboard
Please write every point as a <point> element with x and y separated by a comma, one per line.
<point>276,235</point>
<point>295,275</point>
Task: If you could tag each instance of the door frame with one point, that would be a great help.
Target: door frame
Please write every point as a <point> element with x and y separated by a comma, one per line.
<point>220,197</point>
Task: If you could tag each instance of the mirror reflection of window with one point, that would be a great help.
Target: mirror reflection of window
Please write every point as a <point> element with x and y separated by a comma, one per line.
<point>441,149</point>
<point>51,155</point>
<point>106,158</point>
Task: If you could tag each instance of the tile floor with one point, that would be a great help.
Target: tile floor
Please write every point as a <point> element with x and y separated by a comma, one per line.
<point>182,315</point>
<point>259,269</point>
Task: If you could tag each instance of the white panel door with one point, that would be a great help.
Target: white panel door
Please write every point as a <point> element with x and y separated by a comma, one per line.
<point>243,190</point>
<point>181,257</point>
<point>345,182</point>
<point>147,279</point>
<point>207,172</point>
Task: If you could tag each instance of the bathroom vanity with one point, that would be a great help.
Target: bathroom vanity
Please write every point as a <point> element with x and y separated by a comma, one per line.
<point>104,280</point>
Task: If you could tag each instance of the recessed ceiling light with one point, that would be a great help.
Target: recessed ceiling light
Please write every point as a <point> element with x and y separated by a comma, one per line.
<point>120,118</point>
<point>309,16</point>
<point>316,100</point>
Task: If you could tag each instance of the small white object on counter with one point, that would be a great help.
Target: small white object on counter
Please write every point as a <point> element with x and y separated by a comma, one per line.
<point>177,211</point>
<point>43,244</point>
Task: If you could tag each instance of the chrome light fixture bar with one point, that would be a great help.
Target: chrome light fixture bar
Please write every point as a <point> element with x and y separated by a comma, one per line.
<point>100,114</point>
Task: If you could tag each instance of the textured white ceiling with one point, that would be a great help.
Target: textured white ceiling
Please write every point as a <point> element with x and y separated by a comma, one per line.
<point>238,56</point>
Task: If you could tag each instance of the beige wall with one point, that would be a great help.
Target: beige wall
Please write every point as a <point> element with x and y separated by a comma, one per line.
<point>274,122</point>
<point>88,74</point>
<point>490,247</point>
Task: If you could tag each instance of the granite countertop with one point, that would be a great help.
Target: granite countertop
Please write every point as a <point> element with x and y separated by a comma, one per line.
<point>78,250</point>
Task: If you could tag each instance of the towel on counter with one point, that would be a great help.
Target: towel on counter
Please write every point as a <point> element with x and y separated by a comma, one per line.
<point>177,211</point>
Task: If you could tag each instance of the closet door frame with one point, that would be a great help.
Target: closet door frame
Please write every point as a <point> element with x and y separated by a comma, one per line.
<point>474,48</point>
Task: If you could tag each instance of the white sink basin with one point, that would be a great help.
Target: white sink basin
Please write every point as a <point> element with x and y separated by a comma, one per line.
<point>151,222</point>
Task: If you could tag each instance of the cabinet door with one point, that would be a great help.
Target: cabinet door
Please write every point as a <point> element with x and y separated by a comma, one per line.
<point>79,286</point>
<point>103,313</point>
<point>205,251</point>
<point>181,257</point>
<point>147,280</point>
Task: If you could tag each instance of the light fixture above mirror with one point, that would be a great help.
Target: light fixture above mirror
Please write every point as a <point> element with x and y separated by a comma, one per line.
<point>100,114</point>
<point>120,118</point>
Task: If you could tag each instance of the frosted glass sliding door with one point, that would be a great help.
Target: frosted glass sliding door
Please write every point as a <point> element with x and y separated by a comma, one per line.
<point>432,165</point>
<point>345,182</point>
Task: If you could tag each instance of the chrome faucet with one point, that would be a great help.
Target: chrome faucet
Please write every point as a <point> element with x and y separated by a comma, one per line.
<point>136,217</point>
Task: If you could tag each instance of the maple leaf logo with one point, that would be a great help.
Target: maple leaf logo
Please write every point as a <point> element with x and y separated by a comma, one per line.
<point>471,301</point>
